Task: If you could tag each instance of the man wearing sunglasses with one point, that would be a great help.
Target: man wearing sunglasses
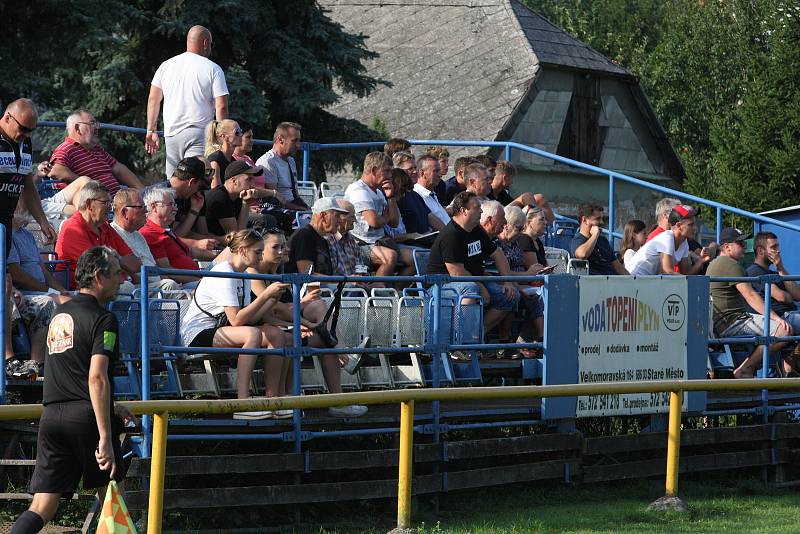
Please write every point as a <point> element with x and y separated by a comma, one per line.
<point>81,155</point>
<point>16,167</point>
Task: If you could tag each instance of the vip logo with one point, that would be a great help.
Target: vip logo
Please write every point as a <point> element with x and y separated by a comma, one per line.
<point>474,248</point>
<point>673,312</point>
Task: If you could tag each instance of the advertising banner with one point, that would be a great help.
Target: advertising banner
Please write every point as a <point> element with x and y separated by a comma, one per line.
<point>629,330</point>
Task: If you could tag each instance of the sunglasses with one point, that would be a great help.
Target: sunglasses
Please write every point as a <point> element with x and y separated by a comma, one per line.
<point>22,128</point>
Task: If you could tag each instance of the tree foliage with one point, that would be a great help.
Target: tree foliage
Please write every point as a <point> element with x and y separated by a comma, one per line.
<point>283,61</point>
<point>722,78</point>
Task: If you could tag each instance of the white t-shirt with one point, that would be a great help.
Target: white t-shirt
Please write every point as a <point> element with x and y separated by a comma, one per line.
<point>627,259</point>
<point>363,198</point>
<point>140,249</point>
<point>647,260</point>
<point>190,83</point>
<point>213,294</point>
<point>438,211</point>
<point>278,172</point>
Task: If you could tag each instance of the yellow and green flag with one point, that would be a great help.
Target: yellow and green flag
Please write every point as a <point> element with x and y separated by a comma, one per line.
<point>114,519</point>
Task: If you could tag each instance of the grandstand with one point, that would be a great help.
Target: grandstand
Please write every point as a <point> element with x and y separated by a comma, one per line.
<point>414,332</point>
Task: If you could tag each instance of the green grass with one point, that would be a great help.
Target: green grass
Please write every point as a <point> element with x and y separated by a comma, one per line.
<point>741,508</point>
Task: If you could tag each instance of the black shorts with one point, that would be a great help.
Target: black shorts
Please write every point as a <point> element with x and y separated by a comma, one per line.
<point>204,338</point>
<point>65,448</point>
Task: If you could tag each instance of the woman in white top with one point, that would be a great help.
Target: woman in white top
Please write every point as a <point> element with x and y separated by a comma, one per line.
<point>246,328</point>
<point>634,236</point>
<point>276,253</point>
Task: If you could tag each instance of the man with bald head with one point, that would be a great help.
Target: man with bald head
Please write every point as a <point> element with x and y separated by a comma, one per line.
<point>194,92</point>
<point>16,167</point>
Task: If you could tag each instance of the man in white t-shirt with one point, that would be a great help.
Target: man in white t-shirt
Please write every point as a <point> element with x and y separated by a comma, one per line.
<point>661,254</point>
<point>194,92</point>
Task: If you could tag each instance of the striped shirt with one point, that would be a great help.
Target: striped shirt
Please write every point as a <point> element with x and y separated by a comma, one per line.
<point>95,163</point>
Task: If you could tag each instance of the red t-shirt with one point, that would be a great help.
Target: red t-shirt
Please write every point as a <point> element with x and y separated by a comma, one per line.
<point>96,163</point>
<point>165,244</point>
<point>75,237</point>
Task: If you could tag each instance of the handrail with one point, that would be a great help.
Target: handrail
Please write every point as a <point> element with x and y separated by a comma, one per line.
<point>162,409</point>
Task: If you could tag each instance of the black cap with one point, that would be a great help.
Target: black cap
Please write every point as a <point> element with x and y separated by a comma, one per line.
<point>732,235</point>
<point>241,167</point>
<point>193,167</point>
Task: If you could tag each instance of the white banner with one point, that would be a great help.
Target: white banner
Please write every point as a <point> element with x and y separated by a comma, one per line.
<point>630,329</point>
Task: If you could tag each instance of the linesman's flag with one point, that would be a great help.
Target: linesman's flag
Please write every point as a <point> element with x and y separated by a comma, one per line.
<point>114,519</point>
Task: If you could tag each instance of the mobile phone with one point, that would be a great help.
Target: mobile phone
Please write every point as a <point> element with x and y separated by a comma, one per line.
<point>548,269</point>
<point>305,287</point>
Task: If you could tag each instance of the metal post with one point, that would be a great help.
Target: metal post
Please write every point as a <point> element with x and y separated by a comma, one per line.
<point>296,353</point>
<point>144,327</point>
<point>719,222</point>
<point>765,353</point>
<point>437,316</point>
<point>673,442</point>
<point>306,159</point>
<point>508,152</point>
<point>3,304</point>
<point>406,463</point>
<point>611,210</point>
<point>157,471</point>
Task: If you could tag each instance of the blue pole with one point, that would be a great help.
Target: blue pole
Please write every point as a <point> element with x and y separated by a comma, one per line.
<point>144,304</point>
<point>296,354</point>
<point>611,210</point>
<point>437,314</point>
<point>508,152</point>
<point>3,311</point>
<point>719,222</point>
<point>306,159</point>
<point>765,358</point>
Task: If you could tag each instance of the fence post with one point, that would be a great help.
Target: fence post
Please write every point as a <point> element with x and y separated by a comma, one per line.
<point>508,152</point>
<point>765,354</point>
<point>673,443</point>
<point>158,464</point>
<point>611,214</point>
<point>3,309</point>
<point>406,463</point>
<point>144,328</point>
<point>719,222</point>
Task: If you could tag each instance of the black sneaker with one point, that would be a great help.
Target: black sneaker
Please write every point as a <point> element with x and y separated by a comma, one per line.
<point>19,369</point>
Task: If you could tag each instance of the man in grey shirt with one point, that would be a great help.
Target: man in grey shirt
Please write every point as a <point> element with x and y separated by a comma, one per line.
<point>280,169</point>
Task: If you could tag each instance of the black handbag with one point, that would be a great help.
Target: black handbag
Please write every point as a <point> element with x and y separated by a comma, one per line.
<point>326,335</point>
<point>221,319</point>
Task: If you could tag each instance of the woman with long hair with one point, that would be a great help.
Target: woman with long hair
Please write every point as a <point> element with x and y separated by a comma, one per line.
<point>222,138</point>
<point>223,314</point>
<point>313,311</point>
<point>634,235</point>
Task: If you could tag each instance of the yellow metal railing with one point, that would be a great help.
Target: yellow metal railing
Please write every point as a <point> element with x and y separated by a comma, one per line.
<point>406,398</point>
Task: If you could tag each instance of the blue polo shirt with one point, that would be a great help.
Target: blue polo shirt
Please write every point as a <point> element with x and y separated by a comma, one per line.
<point>414,213</point>
<point>601,258</point>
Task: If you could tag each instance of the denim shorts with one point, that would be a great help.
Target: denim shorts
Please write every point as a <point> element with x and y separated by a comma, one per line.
<point>497,298</point>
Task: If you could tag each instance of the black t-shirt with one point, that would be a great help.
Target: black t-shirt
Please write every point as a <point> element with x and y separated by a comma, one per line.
<point>79,329</point>
<point>778,307</point>
<point>182,204</point>
<point>451,189</point>
<point>219,205</point>
<point>455,245</point>
<point>219,158</point>
<point>503,197</point>
<point>16,162</point>
<point>602,257</point>
<point>306,244</point>
<point>529,245</point>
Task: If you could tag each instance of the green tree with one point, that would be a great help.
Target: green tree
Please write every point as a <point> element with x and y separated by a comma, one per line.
<point>283,61</point>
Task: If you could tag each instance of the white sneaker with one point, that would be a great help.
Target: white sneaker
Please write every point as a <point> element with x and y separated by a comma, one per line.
<point>282,414</point>
<point>354,410</point>
<point>254,416</point>
<point>354,361</point>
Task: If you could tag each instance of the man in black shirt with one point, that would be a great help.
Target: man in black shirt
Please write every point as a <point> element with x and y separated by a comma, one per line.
<point>228,205</point>
<point>190,180</point>
<point>460,250</point>
<point>308,246</point>
<point>590,244</point>
<point>76,437</point>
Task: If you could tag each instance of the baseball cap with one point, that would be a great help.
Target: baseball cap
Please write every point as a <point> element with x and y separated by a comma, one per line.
<point>326,204</point>
<point>241,167</point>
<point>681,212</point>
<point>732,235</point>
<point>193,167</point>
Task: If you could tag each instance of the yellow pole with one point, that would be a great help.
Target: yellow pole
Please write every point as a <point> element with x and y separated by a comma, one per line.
<point>674,442</point>
<point>158,463</point>
<point>406,462</point>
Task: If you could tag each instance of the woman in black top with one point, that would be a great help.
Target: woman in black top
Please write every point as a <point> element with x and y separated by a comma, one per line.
<point>222,137</point>
<point>529,241</point>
